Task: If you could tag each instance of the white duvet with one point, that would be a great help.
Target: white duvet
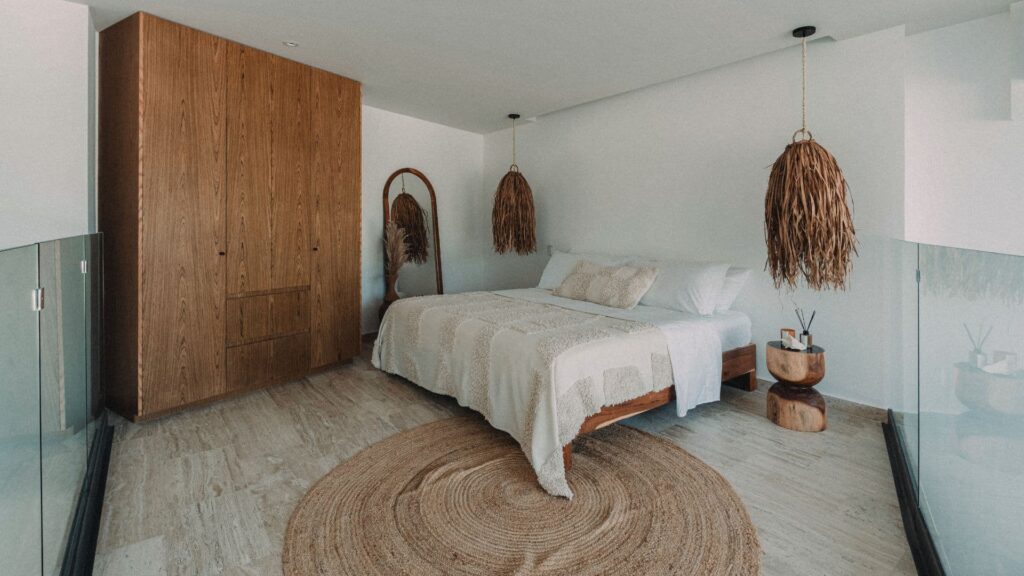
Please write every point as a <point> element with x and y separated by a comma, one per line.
<point>536,365</point>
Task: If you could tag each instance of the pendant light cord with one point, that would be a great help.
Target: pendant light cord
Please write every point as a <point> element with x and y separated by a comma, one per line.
<point>803,96</point>
<point>803,109</point>
<point>514,165</point>
<point>403,182</point>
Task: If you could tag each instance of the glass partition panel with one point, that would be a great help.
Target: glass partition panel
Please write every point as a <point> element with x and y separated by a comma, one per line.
<point>902,312</point>
<point>20,491</point>
<point>93,332</point>
<point>49,408</point>
<point>972,408</point>
<point>63,390</point>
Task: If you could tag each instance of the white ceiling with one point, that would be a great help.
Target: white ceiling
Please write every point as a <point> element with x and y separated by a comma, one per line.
<point>467,63</point>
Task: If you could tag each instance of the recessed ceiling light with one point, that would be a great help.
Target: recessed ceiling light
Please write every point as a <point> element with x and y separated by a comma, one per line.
<point>290,44</point>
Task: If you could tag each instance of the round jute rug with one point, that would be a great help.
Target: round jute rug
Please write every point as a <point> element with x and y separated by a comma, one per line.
<point>458,497</point>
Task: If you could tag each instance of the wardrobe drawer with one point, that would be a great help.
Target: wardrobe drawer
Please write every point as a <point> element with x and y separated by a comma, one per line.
<point>262,317</point>
<point>269,362</point>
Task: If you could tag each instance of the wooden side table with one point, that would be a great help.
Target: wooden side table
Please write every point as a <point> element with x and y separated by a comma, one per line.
<point>793,403</point>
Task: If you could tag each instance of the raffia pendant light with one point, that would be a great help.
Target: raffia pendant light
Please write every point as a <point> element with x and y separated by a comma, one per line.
<point>513,221</point>
<point>410,216</point>
<point>807,223</point>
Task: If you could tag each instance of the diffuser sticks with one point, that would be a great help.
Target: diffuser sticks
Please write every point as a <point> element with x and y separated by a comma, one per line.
<point>805,326</point>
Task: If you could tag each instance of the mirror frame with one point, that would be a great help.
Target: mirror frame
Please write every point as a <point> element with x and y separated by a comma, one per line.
<point>433,216</point>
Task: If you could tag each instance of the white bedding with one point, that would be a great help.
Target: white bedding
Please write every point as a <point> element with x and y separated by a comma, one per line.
<point>733,327</point>
<point>536,365</point>
<point>696,360</point>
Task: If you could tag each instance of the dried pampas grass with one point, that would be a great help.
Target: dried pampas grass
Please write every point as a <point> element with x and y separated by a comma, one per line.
<point>395,248</point>
<point>513,221</point>
<point>807,224</point>
<point>408,214</point>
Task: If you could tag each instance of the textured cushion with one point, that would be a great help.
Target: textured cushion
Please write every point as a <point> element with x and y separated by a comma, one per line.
<point>686,286</point>
<point>561,264</point>
<point>615,286</point>
<point>735,280</point>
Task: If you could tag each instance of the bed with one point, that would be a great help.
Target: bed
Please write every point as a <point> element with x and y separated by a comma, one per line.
<point>546,369</point>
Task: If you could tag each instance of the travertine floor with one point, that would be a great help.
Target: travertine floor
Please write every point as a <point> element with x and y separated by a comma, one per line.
<point>209,491</point>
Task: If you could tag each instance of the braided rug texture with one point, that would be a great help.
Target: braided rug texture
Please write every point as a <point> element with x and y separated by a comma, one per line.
<point>458,497</point>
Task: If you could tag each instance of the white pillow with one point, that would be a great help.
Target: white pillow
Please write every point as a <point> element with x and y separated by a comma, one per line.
<point>735,280</point>
<point>562,263</point>
<point>686,286</point>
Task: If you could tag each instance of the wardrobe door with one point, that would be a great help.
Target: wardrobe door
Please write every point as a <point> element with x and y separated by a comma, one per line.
<point>181,211</point>
<point>334,289</point>
<point>268,172</point>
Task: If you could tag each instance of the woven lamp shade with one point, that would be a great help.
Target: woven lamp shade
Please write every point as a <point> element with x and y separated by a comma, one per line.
<point>808,228</point>
<point>513,220</point>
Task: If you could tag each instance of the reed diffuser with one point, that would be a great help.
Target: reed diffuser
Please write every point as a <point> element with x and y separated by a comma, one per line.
<point>805,325</point>
<point>977,357</point>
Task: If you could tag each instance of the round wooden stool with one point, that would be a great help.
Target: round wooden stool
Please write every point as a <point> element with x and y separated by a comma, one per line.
<point>793,403</point>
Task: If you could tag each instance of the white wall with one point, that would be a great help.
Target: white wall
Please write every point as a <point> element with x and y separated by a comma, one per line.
<point>965,184</point>
<point>965,155</point>
<point>453,161</point>
<point>44,119</point>
<point>680,170</point>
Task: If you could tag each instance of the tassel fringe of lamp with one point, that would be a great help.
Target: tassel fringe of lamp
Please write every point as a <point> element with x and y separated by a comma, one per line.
<point>513,221</point>
<point>410,217</point>
<point>808,227</point>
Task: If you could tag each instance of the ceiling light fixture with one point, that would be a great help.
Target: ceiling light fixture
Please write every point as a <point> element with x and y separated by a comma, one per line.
<point>513,222</point>
<point>808,226</point>
<point>290,44</point>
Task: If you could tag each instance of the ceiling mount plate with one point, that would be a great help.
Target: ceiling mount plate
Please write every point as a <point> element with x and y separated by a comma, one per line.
<point>804,32</point>
<point>514,116</point>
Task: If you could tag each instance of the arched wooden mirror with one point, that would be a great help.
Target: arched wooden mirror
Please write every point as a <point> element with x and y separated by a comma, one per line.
<point>410,201</point>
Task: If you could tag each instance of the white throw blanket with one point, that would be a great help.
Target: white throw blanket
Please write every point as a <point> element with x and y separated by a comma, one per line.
<point>693,344</point>
<point>536,365</point>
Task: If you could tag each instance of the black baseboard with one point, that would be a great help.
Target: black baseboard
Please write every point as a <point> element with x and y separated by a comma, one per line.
<point>920,539</point>
<point>81,546</point>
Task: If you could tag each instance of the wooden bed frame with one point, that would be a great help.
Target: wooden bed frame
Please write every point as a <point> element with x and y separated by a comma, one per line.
<point>739,369</point>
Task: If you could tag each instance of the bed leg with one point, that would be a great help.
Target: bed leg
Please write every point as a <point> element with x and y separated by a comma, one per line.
<point>567,456</point>
<point>750,379</point>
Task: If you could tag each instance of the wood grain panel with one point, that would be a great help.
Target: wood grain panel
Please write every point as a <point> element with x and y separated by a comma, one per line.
<point>256,318</point>
<point>268,171</point>
<point>118,210</point>
<point>336,219</point>
<point>181,195</point>
<point>266,363</point>
<point>290,249</point>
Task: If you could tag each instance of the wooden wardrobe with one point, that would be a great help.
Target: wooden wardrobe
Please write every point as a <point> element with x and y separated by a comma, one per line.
<point>229,200</point>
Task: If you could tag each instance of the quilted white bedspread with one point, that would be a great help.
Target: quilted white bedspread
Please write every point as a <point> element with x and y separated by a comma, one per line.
<point>536,365</point>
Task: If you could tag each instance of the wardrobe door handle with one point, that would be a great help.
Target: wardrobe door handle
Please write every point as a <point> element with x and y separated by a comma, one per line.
<point>316,248</point>
<point>221,253</point>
